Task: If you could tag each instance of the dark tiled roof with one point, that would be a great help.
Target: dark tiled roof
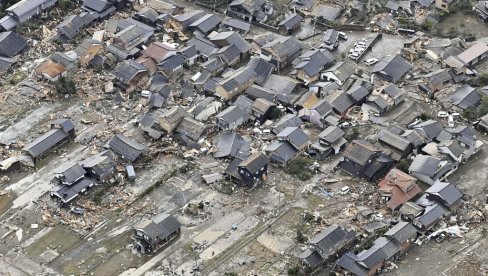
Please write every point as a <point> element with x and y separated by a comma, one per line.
<point>160,226</point>
<point>401,232</point>
<point>127,148</point>
<point>360,152</point>
<point>255,162</point>
<point>395,67</point>
<point>291,21</point>
<point>11,44</point>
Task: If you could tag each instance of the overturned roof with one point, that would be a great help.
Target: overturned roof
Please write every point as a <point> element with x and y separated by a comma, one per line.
<point>127,148</point>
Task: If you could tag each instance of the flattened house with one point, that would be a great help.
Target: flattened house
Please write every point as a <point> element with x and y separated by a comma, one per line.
<point>62,130</point>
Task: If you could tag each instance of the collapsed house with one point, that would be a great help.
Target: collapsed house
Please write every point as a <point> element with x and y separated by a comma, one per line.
<point>327,245</point>
<point>150,234</point>
<point>250,171</point>
<point>362,159</point>
<point>62,131</point>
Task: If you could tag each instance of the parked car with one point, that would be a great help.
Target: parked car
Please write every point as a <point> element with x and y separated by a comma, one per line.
<point>442,114</point>
<point>354,55</point>
<point>371,61</point>
<point>343,35</point>
<point>77,211</point>
<point>360,43</point>
<point>450,121</point>
<point>345,190</point>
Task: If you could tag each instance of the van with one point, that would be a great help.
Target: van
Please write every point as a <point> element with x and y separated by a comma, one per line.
<point>145,93</point>
<point>450,121</point>
<point>342,35</point>
<point>131,174</point>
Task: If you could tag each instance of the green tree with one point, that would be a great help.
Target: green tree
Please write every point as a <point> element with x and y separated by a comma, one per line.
<point>294,271</point>
<point>300,237</point>
<point>65,85</point>
<point>427,25</point>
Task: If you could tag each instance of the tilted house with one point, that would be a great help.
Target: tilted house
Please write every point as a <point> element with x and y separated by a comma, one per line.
<point>87,50</point>
<point>100,166</point>
<point>401,145</point>
<point>291,142</point>
<point>429,169</point>
<point>327,245</point>
<point>404,234</point>
<point>443,193</point>
<point>190,131</point>
<point>330,141</point>
<point>362,159</point>
<point>317,112</point>
<point>465,97</point>
<point>474,54</point>
<point>430,216</point>
<point>253,169</point>
<point>180,24</point>
<point>397,188</point>
<point>169,119</point>
<point>392,69</point>
<point>102,8</point>
<point>232,24</point>
<point>261,109</point>
<point>231,118</point>
<point>62,130</point>
<point>206,23</point>
<point>310,64</point>
<point>338,73</point>
<point>128,35</point>
<point>368,262</point>
<point>437,80</point>
<point>128,149</point>
<point>73,24</point>
<point>148,235</point>
<point>290,24</point>
<point>281,51</point>
<point>130,75</point>
<point>71,183</point>
<point>249,10</point>
<point>230,144</point>
<point>331,39</point>
<point>51,71</point>
<point>236,83</point>
<point>295,136</point>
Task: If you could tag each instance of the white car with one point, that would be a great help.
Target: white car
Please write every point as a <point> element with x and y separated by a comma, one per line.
<point>361,43</point>
<point>345,190</point>
<point>354,55</point>
<point>371,61</point>
<point>343,35</point>
<point>442,114</point>
<point>450,121</point>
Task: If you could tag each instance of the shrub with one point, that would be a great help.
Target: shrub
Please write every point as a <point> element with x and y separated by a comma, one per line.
<point>427,25</point>
<point>352,134</point>
<point>294,271</point>
<point>65,5</point>
<point>65,86</point>
<point>300,167</point>
<point>425,116</point>
<point>300,237</point>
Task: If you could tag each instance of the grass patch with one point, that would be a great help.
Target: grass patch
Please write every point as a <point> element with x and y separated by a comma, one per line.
<point>16,78</point>
<point>300,167</point>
